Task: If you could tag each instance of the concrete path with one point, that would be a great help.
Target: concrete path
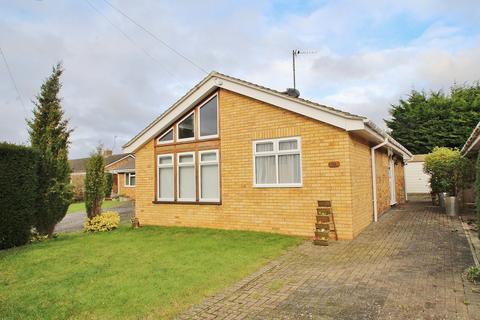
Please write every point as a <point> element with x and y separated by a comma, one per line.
<point>406,266</point>
<point>74,221</point>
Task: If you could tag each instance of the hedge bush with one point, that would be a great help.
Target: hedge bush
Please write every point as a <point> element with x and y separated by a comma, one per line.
<point>105,221</point>
<point>18,190</point>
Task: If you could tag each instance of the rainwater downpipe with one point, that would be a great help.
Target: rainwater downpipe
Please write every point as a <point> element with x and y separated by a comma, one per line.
<point>374,179</point>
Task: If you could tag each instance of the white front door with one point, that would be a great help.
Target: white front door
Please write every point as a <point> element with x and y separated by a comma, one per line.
<point>391,176</point>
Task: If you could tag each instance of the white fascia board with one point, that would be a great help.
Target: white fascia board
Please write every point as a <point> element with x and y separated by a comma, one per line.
<point>290,105</point>
<point>175,112</point>
<point>379,138</point>
<point>472,145</point>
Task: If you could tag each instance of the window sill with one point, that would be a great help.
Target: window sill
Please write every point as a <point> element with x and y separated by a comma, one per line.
<point>187,202</point>
<point>129,186</point>
<point>278,186</point>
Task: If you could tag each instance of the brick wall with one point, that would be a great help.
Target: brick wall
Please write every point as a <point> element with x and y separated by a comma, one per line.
<point>361,178</point>
<point>122,189</point>
<point>282,210</point>
<point>399,182</point>
<point>383,180</point>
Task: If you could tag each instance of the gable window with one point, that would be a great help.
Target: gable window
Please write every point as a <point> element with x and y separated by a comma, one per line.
<point>186,176</point>
<point>165,177</point>
<point>209,184</point>
<point>277,163</point>
<point>129,179</point>
<point>186,128</point>
<point>167,137</point>
<point>208,119</point>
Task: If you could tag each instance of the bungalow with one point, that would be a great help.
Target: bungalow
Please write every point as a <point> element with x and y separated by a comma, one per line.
<point>122,166</point>
<point>235,155</point>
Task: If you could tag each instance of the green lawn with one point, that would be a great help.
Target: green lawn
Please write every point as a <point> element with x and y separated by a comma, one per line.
<point>80,206</point>
<point>151,272</point>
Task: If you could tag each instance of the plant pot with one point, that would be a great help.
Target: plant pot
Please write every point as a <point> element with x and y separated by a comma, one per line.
<point>320,242</point>
<point>441,199</point>
<point>451,206</point>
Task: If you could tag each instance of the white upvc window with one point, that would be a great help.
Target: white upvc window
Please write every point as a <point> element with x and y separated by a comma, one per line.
<point>277,163</point>
<point>165,177</point>
<point>209,177</point>
<point>208,118</point>
<point>186,128</point>
<point>186,184</point>
<point>130,179</point>
<point>166,138</point>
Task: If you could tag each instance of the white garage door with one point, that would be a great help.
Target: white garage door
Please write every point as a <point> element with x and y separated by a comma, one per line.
<point>417,181</point>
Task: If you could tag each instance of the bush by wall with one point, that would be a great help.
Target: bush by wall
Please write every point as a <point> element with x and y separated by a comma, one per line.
<point>18,190</point>
<point>105,221</point>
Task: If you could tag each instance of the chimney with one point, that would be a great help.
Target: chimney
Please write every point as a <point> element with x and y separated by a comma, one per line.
<point>106,153</point>
<point>292,92</point>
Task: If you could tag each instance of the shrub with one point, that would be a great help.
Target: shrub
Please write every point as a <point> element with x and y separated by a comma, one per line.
<point>448,171</point>
<point>108,184</point>
<point>473,274</point>
<point>106,221</point>
<point>18,190</point>
<point>50,136</point>
<point>94,184</point>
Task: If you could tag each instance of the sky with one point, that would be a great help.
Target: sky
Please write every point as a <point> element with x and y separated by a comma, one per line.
<point>366,55</point>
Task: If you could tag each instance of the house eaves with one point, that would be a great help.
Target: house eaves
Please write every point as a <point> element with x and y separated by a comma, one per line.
<point>473,142</point>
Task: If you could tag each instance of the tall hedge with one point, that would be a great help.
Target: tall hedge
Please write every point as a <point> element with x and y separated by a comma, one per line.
<point>18,193</point>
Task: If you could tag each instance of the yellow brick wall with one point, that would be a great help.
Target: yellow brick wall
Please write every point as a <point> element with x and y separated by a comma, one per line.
<point>361,178</point>
<point>122,189</point>
<point>383,180</point>
<point>282,210</point>
<point>399,182</point>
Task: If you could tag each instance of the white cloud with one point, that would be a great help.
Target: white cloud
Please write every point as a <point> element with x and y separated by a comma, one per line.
<point>111,88</point>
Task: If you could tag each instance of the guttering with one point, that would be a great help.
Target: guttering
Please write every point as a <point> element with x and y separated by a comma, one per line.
<point>374,178</point>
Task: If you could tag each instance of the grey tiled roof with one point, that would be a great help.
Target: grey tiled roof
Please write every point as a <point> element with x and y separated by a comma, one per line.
<point>79,165</point>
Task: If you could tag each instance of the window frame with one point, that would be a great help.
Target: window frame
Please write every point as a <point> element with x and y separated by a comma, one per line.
<point>199,107</point>
<point>206,163</point>
<point>277,152</point>
<point>172,165</point>
<point>164,134</point>
<point>194,129</point>
<point>128,178</point>
<point>178,165</point>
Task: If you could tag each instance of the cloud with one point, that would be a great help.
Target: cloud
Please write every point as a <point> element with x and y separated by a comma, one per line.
<point>369,54</point>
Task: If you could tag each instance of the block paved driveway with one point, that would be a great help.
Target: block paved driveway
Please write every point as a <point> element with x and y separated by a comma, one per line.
<point>406,266</point>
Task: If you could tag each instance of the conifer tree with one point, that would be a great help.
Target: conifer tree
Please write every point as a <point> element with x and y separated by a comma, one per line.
<point>95,184</point>
<point>49,135</point>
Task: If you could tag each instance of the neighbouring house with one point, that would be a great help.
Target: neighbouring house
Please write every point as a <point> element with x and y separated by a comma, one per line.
<point>121,166</point>
<point>470,150</point>
<point>416,180</point>
<point>234,155</point>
